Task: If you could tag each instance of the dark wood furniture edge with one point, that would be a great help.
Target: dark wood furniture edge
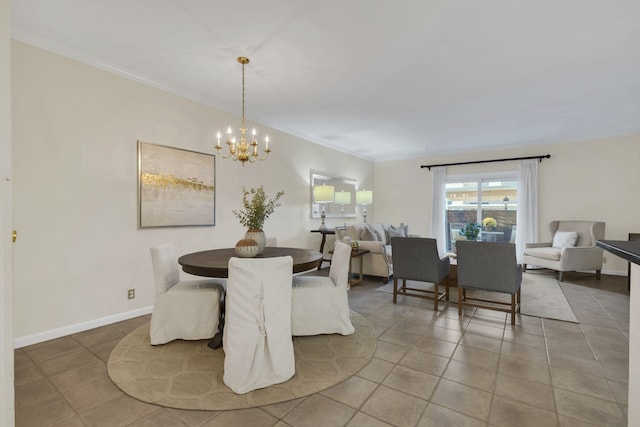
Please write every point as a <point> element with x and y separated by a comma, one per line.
<point>628,250</point>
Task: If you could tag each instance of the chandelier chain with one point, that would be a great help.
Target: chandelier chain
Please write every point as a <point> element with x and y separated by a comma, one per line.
<point>243,95</point>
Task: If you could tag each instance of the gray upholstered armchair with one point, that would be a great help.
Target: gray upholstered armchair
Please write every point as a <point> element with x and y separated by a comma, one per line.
<point>490,267</point>
<point>573,248</point>
<point>417,258</point>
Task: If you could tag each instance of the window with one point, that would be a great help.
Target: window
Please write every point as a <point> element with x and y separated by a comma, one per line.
<point>478,200</point>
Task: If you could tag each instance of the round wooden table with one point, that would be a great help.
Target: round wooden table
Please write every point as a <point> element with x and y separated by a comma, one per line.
<point>214,263</point>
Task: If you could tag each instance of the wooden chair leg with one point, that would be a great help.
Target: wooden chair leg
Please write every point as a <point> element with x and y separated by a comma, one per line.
<point>513,309</point>
<point>395,289</point>
<point>519,301</point>
<point>435,297</point>
<point>598,274</point>
<point>560,276</point>
<point>459,302</point>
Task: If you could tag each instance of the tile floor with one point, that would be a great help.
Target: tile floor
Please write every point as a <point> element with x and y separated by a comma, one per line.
<point>430,369</point>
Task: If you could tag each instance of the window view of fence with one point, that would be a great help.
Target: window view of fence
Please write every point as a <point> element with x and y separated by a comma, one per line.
<point>491,204</point>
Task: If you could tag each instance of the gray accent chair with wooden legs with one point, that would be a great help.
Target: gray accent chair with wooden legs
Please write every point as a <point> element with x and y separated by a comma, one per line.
<point>491,267</point>
<point>417,258</point>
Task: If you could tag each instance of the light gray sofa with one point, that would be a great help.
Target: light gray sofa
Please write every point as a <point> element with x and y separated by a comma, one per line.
<point>582,255</point>
<point>379,262</point>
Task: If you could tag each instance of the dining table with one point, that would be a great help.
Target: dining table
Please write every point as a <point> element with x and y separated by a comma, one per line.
<point>215,262</point>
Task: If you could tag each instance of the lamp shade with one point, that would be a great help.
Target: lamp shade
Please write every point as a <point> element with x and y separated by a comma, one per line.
<point>323,193</point>
<point>364,197</point>
<point>343,197</point>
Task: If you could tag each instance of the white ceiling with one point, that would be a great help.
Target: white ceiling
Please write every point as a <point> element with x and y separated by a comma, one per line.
<point>382,79</point>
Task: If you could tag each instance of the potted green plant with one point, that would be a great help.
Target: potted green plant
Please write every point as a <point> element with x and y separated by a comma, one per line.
<point>256,209</point>
<point>470,231</point>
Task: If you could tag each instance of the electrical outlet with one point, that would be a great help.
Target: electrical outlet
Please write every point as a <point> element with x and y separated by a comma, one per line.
<point>131,294</point>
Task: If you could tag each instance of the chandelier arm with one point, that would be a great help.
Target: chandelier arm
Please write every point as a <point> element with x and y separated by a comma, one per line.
<point>222,155</point>
<point>266,154</point>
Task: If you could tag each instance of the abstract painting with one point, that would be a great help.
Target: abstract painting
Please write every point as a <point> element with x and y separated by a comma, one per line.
<point>176,187</point>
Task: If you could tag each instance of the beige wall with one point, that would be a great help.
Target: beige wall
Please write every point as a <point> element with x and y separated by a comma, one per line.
<point>75,132</point>
<point>587,180</point>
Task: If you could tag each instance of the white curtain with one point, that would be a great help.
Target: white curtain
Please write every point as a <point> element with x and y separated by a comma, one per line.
<point>527,215</point>
<point>438,207</point>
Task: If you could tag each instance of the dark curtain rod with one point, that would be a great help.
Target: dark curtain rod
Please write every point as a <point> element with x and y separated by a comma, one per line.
<point>546,156</point>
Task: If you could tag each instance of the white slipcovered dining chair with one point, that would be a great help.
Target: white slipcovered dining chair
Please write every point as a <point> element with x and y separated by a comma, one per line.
<point>319,304</point>
<point>182,309</point>
<point>257,340</point>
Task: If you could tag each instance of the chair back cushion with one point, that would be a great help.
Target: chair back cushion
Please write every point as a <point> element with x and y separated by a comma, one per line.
<point>165,267</point>
<point>417,258</point>
<point>339,272</point>
<point>488,266</point>
<point>588,231</point>
<point>257,332</point>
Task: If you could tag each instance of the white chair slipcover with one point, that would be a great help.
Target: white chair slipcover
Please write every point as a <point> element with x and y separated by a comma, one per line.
<point>320,305</point>
<point>183,309</point>
<point>257,333</point>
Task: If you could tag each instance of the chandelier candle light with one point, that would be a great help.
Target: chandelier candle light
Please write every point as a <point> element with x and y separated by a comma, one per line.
<point>364,198</point>
<point>243,151</point>
<point>323,194</point>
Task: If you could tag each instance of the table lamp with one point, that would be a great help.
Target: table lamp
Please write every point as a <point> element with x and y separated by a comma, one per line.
<point>323,194</point>
<point>343,198</point>
<point>364,198</point>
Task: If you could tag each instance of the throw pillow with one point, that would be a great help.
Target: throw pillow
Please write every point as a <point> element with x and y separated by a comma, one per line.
<point>379,232</point>
<point>369,234</point>
<point>396,232</point>
<point>565,239</point>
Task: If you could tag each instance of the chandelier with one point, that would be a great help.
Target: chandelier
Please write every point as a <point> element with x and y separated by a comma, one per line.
<point>243,151</point>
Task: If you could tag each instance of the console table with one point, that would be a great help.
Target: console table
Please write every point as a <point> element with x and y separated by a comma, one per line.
<point>322,242</point>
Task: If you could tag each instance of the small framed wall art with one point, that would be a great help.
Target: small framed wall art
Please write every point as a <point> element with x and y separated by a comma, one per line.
<point>176,187</point>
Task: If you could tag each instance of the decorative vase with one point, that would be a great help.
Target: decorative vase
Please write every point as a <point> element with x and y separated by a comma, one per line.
<point>247,248</point>
<point>259,237</point>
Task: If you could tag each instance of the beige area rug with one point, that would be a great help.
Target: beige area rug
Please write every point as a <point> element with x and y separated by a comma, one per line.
<point>541,296</point>
<point>188,374</point>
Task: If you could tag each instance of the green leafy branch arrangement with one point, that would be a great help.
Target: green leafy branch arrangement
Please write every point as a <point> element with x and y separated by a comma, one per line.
<point>470,231</point>
<point>257,207</point>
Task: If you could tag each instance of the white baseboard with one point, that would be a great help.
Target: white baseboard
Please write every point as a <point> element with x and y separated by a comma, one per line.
<point>79,327</point>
